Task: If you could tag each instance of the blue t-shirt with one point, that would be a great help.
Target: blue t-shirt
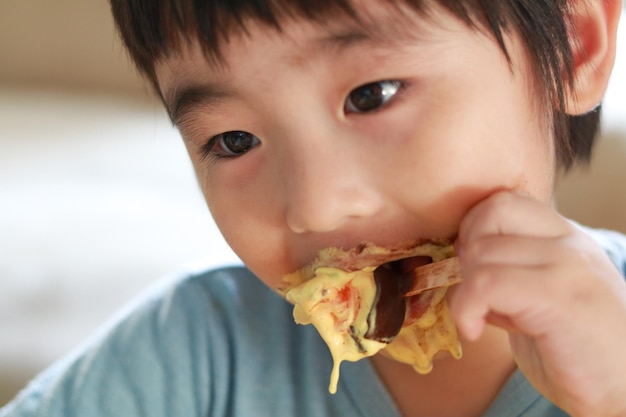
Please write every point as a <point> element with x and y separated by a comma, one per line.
<point>220,343</point>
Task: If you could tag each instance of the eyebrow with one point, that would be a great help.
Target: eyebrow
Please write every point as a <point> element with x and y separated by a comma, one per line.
<point>340,41</point>
<point>190,96</point>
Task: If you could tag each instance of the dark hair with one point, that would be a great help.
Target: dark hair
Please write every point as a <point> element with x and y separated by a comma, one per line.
<point>155,29</point>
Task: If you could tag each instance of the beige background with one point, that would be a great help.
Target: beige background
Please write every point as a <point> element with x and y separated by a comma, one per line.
<point>65,44</point>
<point>97,197</point>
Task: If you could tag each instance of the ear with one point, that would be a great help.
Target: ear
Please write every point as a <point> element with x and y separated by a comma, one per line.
<point>593,36</point>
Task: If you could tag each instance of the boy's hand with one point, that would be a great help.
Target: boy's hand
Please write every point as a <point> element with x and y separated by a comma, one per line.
<point>531,272</point>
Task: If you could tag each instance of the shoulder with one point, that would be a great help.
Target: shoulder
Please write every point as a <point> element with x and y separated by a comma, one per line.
<point>226,292</point>
<point>169,352</point>
<point>236,287</point>
<point>196,301</point>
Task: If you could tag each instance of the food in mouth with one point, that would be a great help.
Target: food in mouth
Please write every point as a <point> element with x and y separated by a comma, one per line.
<point>370,298</point>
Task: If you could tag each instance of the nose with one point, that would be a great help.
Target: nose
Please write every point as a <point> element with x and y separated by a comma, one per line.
<point>328,187</point>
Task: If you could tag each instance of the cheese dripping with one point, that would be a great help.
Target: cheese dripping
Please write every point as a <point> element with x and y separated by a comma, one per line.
<point>338,304</point>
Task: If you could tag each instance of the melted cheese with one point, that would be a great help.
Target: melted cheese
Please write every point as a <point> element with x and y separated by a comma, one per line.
<point>431,333</point>
<point>337,303</point>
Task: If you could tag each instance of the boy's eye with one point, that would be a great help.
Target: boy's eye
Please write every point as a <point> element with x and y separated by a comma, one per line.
<point>371,96</point>
<point>230,144</point>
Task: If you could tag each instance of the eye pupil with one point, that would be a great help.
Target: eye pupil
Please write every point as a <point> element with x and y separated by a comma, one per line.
<point>372,96</point>
<point>368,97</point>
<point>238,142</point>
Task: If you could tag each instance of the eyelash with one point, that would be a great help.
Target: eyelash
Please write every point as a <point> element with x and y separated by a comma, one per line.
<point>208,151</point>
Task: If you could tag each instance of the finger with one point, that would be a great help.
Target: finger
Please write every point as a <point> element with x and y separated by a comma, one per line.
<point>513,250</point>
<point>533,282</point>
<point>514,213</point>
<point>522,295</point>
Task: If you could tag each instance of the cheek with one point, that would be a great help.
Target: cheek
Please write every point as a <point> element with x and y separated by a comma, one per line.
<point>461,151</point>
<point>248,218</point>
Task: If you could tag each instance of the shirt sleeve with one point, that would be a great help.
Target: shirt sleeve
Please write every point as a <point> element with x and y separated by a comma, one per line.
<point>219,344</point>
<point>154,360</point>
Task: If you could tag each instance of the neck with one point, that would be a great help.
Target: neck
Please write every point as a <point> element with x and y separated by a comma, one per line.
<point>454,387</point>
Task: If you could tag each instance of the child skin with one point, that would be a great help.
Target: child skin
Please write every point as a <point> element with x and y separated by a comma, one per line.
<point>330,135</point>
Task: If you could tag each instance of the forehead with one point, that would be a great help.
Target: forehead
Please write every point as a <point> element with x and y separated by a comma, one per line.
<point>376,26</point>
<point>191,77</point>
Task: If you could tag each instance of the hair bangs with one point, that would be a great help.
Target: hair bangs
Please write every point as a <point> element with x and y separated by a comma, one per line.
<point>155,29</point>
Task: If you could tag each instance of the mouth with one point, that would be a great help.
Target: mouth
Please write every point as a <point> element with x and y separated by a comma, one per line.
<point>361,298</point>
<point>400,259</point>
<point>407,265</point>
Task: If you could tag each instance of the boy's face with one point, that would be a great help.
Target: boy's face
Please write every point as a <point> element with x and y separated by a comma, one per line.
<point>332,135</point>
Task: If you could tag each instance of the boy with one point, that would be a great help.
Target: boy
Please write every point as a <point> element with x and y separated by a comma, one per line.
<point>328,123</point>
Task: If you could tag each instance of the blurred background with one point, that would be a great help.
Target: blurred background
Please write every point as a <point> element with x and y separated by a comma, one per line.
<point>98,200</point>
